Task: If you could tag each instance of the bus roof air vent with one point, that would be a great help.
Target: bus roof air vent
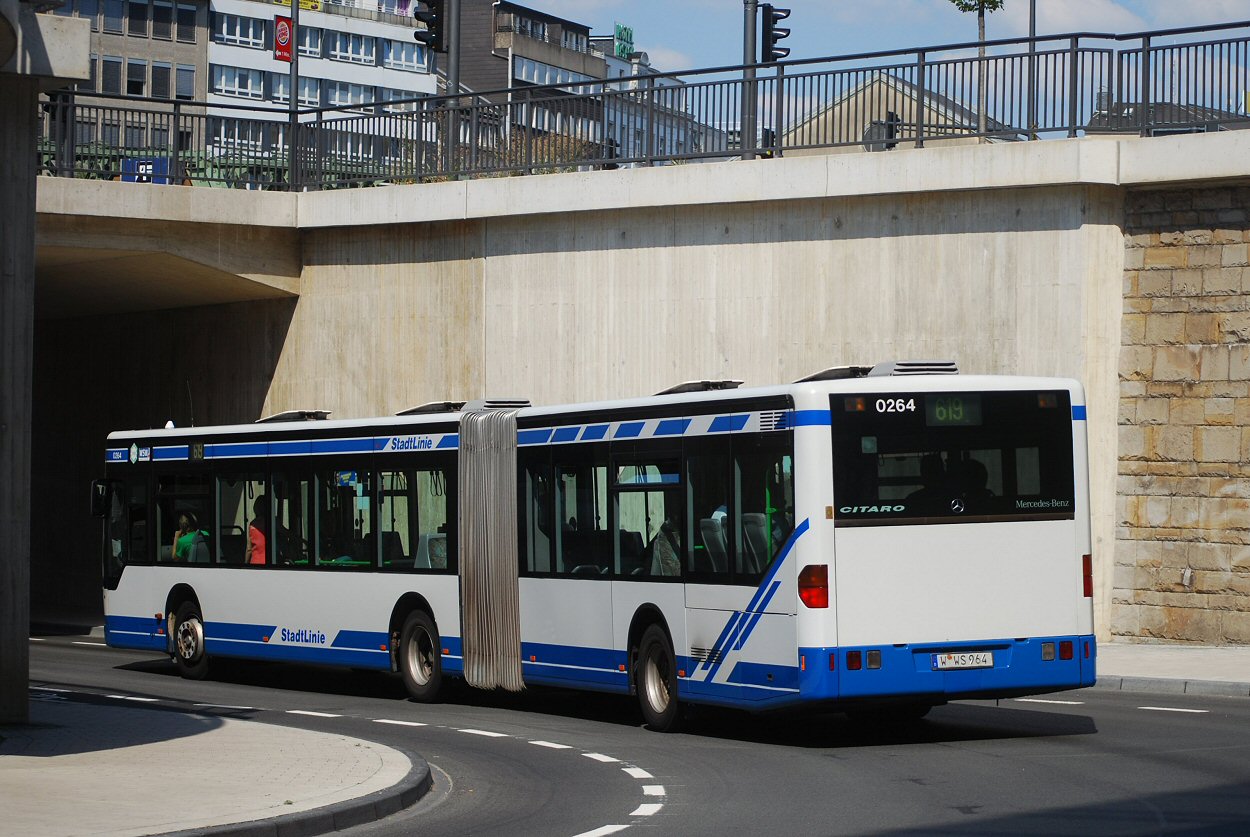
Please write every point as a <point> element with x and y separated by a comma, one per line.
<point>497,404</point>
<point>433,407</point>
<point>699,386</point>
<point>295,415</point>
<point>914,367</point>
<point>835,373</point>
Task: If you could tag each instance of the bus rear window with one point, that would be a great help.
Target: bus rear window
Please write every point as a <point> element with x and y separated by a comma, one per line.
<point>952,457</point>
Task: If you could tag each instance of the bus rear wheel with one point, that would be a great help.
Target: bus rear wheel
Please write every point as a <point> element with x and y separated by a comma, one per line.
<point>420,661</point>
<point>188,630</point>
<point>655,680</point>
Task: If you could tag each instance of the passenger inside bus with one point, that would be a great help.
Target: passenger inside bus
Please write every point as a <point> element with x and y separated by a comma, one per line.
<point>257,531</point>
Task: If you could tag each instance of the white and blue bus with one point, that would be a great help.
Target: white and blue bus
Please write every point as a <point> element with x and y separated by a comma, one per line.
<point>873,540</point>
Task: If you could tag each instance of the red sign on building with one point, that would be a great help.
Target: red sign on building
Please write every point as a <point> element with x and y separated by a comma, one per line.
<point>282,38</point>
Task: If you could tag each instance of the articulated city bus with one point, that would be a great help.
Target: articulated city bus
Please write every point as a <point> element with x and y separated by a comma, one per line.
<point>873,540</point>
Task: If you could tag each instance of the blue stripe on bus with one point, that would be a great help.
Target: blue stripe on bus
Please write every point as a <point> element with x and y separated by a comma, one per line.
<point>235,449</point>
<point>603,659</point>
<point>1078,412</point>
<point>341,446</point>
<point>138,632</point>
<point>672,427</point>
<point>629,430</point>
<point>172,452</point>
<point>362,640</point>
<point>765,674</point>
<point>809,418</point>
<point>533,437</point>
<point>239,631</point>
<point>289,448</point>
<point>728,424</point>
<point>565,434</point>
<point>451,440</point>
<point>594,432</point>
<point>298,653</point>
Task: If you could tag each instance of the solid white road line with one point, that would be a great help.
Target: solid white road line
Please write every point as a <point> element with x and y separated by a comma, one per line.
<point>1173,709</point>
<point>646,809</point>
<point>551,744</point>
<point>398,723</point>
<point>652,790</point>
<point>313,714</point>
<point>50,689</point>
<point>603,830</point>
<point>37,639</point>
<point>637,772</point>
<point>1056,702</point>
<point>485,732</point>
<point>92,644</point>
<point>600,757</point>
<point>132,697</point>
<point>221,706</point>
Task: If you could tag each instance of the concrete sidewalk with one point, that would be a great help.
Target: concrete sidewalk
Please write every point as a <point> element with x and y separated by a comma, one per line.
<point>92,768</point>
<point>1175,669</point>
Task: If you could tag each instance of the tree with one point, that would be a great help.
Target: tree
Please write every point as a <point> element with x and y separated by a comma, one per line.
<point>980,7</point>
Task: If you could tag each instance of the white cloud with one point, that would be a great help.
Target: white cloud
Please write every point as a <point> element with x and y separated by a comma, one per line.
<point>666,59</point>
<point>1170,13</point>
<point>1060,16</point>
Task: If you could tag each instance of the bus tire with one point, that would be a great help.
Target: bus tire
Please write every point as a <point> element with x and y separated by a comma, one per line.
<point>189,654</point>
<point>655,681</point>
<point>420,660</point>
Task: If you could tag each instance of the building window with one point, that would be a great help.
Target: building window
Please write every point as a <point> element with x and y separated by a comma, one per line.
<point>186,23</point>
<point>137,17</point>
<point>575,41</point>
<point>310,92</point>
<point>348,46</point>
<point>310,41</point>
<point>402,55</point>
<point>343,94</point>
<point>90,9</point>
<point>388,96</point>
<point>114,15</point>
<point>161,73</point>
<point>535,29</point>
<point>136,77</point>
<point>185,82</point>
<point>239,31</point>
<point>84,131</point>
<point>238,81</point>
<point>163,20</point>
<point>280,87</point>
<point>136,135</point>
<point>111,75</point>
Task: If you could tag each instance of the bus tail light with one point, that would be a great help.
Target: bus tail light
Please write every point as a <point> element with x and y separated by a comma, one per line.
<point>1065,650</point>
<point>814,585</point>
<point>854,660</point>
<point>1087,575</point>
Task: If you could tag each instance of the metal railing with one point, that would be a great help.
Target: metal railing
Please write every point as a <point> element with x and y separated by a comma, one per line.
<point>1192,79</point>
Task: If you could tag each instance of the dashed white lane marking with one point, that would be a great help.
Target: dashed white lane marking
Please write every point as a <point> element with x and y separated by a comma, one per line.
<point>551,744</point>
<point>313,714</point>
<point>1056,702</point>
<point>485,732</point>
<point>132,697</point>
<point>1174,709</point>
<point>50,689</point>
<point>92,644</point>
<point>637,772</point>
<point>399,723</point>
<point>646,809</point>
<point>602,830</point>
<point>37,639</point>
<point>652,790</point>
<point>221,706</point>
<point>601,757</point>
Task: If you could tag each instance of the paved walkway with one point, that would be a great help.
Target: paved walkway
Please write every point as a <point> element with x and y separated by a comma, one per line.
<point>1192,669</point>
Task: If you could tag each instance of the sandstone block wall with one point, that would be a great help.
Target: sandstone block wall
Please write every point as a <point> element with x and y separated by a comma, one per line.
<point>1182,557</point>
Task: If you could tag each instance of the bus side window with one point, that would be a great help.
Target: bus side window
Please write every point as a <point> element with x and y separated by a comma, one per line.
<point>536,511</point>
<point>764,495</point>
<point>292,512</point>
<point>708,479</point>
<point>345,538</point>
<point>583,540</point>
<point>184,519</point>
<point>242,527</point>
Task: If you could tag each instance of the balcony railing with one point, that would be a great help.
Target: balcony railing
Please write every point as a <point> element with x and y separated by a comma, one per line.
<point>1180,80</point>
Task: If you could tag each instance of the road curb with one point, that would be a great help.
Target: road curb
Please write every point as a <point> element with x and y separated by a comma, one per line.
<point>1173,686</point>
<point>371,808</point>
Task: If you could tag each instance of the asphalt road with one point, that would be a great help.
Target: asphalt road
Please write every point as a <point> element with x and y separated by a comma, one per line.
<point>1089,762</point>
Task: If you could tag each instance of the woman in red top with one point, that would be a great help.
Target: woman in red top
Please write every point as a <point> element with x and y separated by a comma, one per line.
<point>256,540</point>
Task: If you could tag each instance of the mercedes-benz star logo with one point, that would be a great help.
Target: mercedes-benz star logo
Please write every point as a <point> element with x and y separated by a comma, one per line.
<point>957,506</point>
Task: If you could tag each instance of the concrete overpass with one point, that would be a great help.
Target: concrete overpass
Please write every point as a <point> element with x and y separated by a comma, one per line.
<point>169,302</point>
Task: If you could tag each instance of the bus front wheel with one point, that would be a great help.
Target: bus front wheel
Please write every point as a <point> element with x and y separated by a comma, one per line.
<point>419,659</point>
<point>656,681</point>
<point>189,653</point>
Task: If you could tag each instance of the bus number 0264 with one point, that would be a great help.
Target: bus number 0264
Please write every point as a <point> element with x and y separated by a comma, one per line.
<point>896,405</point>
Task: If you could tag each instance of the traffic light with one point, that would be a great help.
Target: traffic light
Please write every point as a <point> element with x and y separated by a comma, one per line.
<point>769,51</point>
<point>433,13</point>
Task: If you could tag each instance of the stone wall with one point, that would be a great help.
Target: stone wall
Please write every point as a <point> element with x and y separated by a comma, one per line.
<point>1183,538</point>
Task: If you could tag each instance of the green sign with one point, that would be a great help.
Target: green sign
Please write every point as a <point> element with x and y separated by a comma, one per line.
<point>624,39</point>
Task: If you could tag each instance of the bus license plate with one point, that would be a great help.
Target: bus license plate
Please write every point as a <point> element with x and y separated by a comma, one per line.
<point>967,659</point>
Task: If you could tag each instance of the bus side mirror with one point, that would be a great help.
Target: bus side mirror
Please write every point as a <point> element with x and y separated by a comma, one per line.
<point>101,495</point>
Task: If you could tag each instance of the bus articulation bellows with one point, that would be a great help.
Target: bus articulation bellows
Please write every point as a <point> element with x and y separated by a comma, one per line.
<point>883,539</point>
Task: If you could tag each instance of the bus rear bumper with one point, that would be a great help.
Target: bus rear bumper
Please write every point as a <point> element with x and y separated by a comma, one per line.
<point>949,670</point>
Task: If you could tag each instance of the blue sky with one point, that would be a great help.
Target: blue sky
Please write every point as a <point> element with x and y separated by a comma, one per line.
<point>685,34</point>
